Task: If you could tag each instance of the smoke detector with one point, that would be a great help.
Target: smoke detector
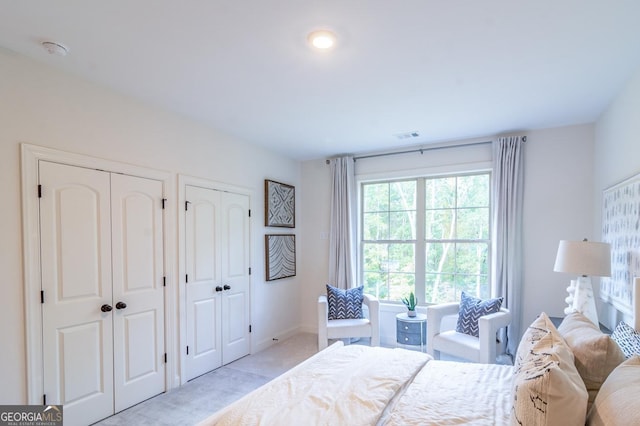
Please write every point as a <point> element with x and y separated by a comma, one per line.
<point>55,48</point>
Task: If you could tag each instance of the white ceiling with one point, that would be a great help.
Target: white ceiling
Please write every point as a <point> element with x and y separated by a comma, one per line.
<point>449,69</point>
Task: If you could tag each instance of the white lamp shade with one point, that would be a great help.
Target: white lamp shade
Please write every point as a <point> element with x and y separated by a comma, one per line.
<point>584,258</point>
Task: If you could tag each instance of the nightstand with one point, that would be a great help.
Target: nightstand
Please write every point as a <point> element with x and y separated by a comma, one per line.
<point>411,330</point>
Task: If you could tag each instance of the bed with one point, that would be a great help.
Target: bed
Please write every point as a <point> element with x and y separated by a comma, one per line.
<point>571,376</point>
<point>362,385</point>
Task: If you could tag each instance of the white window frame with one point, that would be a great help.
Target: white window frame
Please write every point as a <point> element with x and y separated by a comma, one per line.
<point>454,170</point>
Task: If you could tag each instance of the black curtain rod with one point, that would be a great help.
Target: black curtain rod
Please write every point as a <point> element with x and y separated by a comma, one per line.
<point>421,150</point>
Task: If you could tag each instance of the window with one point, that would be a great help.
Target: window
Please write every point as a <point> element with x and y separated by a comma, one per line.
<point>429,235</point>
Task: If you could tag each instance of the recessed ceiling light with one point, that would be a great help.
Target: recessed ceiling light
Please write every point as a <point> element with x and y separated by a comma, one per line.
<point>55,48</point>
<point>322,39</point>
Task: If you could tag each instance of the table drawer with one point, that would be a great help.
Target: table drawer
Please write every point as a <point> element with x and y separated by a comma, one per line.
<point>409,338</point>
<point>409,327</point>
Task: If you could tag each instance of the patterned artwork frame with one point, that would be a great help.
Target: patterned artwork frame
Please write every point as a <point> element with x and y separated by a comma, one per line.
<point>280,257</point>
<point>279,204</point>
<point>621,229</point>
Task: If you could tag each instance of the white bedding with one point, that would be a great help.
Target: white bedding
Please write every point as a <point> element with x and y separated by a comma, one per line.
<point>455,393</point>
<point>342,385</point>
<point>361,385</point>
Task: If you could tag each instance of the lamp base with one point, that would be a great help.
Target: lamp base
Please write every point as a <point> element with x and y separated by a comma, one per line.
<point>584,300</point>
<point>569,299</point>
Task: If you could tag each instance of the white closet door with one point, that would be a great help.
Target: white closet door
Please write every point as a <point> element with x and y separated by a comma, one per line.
<point>203,302</point>
<point>76,280</point>
<point>235,276</point>
<point>138,292</point>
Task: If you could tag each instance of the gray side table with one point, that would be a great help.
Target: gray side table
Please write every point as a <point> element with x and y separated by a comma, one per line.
<point>411,330</point>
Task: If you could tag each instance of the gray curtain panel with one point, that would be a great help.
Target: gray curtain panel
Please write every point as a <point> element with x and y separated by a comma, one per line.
<point>341,236</point>
<point>507,226</point>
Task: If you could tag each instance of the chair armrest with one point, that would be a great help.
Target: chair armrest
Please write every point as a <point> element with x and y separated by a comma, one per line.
<point>435,313</point>
<point>488,326</point>
<point>323,310</point>
<point>494,322</point>
<point>372,303</point>
<point>374,317</point>
<point>323,322</point>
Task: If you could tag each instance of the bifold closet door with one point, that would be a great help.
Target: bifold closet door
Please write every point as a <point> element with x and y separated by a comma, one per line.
<point>235,258</point>
<point>102,271</point>
<point>217,251</point>
<point>203,302</point>
<point>138,292</point>
<point>76,281</point>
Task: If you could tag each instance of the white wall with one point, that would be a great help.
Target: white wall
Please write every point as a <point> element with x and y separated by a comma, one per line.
<point>42,106</point>
<point>617,157</point>
<point>557,204</point>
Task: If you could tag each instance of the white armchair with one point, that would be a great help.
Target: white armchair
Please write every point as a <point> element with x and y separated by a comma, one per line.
<point>346,328</point>
<point>441,337</point>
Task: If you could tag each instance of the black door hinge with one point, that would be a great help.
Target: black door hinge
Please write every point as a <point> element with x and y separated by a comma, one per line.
<point>249,271</point>
<point>41,296</point>
<point>186,205</point>
<point>187,350</point>
<point>186,278</point>
<point>249,328</point>
<point>39,191</point>
<point>164,281</point>
<point>249,212</point>
<point>164,200</point>
<point>44,399</point>
<point>165,357</point>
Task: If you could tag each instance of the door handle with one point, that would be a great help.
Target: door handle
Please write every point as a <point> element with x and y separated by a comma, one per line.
<point>106,308</point>
<point>218,288</point>
<point>227,287</point>
<point>121,305</point>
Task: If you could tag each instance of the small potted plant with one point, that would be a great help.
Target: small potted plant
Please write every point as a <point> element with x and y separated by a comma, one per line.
<point>410,302</point>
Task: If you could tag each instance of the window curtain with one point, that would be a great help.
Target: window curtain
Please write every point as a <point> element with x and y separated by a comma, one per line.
<point>507,226</point>
<point>341,236</point>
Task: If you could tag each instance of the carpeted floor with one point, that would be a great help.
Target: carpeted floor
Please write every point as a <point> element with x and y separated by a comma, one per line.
<point>208,393</point>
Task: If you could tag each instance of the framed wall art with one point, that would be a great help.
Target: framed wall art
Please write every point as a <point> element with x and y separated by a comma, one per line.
<point>621,229</point>
<point>279,204</point>
<point>280,256</point>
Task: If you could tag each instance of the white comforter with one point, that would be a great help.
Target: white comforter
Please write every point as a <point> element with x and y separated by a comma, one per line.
<point>455,393</point>
<point>342,385</point>
<point>360,385</point>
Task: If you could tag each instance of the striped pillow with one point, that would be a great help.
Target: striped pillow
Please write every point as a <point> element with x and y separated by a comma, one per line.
<point>471,309</point>
<point>345,304</point>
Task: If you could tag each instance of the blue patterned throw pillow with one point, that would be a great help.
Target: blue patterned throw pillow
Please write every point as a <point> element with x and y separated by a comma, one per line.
<point>627,338</point>
<point>345,304</point>
<point>471,309</point>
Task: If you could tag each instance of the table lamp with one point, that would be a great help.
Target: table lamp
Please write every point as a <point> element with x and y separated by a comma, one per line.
<point>585,258</point>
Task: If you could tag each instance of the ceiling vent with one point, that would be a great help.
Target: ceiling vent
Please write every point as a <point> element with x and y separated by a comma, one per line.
<point>406,135</point>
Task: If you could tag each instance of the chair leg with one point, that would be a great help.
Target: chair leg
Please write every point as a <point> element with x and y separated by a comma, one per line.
<point>322,343</point>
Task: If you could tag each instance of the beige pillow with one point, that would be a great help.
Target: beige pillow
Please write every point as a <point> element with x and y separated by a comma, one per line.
<point>595,353</point>
<point>547,389</point>
<point>618,403</point>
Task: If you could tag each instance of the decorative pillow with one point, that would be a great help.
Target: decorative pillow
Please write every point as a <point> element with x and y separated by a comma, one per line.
<point>345,304</point>
<point>617,403</point>
<point>472,308</point>
<point>547,389</point>
<point>627,338</point>
<point>595,353</point>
